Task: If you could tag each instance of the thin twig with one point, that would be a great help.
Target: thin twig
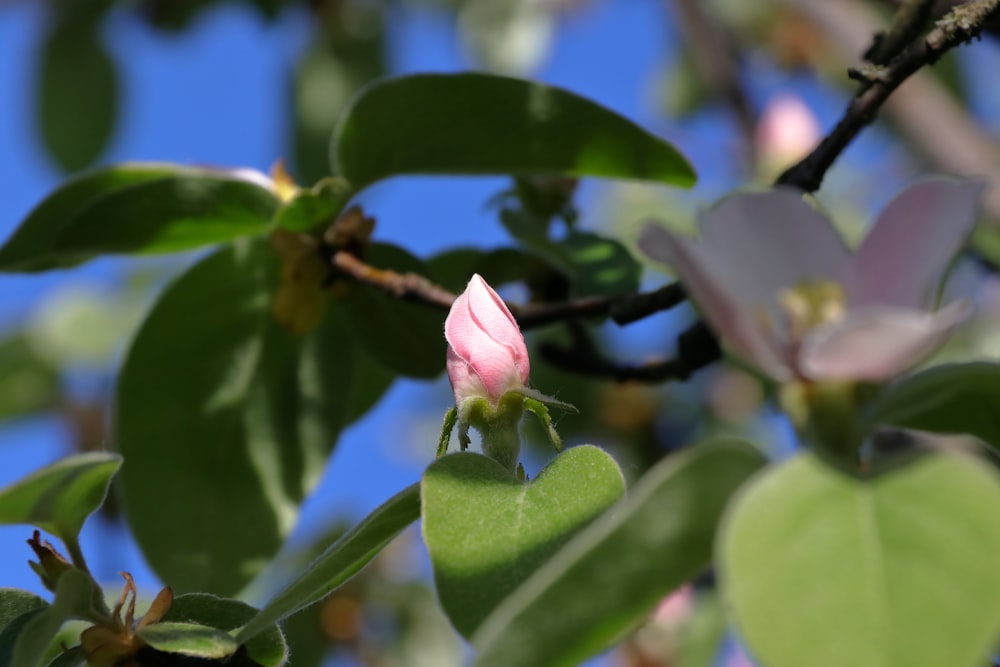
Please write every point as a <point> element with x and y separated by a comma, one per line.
<point>906,26</point>
<point>621,308</point>
<point>961,25</point>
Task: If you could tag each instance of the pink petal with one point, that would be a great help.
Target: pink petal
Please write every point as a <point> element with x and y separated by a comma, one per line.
<point>773,240</point>
<point>707,281</point>
<point>482,333</point>
<point>875,343</point>
<point>911,244</point>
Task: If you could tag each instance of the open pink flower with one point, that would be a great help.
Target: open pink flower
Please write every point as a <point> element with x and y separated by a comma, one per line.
<point>777,283</point>
<point>486,352</point>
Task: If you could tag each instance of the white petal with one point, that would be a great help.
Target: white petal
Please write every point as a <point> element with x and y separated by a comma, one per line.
<point>772,240</point>
<point>708,282</point>
<point>903,258</point>
<point>875,343</point>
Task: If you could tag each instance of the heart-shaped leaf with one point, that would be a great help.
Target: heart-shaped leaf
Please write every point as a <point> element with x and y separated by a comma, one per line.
<point>487,532</point>
<point>612,573</point>
<point>824,569</point>
<point>951,398</point>
<point>59,497</point>
<point>474,123</point>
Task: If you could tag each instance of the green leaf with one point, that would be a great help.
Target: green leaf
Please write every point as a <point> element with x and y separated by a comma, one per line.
<point>453,268</point>
<point>77,94</point>
<point>137,208</point>
<point>315,208</point>
<point>14,602</point>
<point>189,639</point>
<point>601,266</point>
<point>486,124</point>
<point>27,381</point>
<point>71,657</point>
<point>226,420</point>
<point>487,532</point>
<point>266,648</point>
<point>407,338</point>
<point>620,566</point>
<point>824,569</point>
<point>341,560</point>
<point>74,594</point>
<point>951,398</point>
<point>59,497</point>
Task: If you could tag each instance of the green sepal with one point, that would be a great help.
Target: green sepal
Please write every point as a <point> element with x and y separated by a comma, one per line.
<point>450,419</point>
<point>539,409</point>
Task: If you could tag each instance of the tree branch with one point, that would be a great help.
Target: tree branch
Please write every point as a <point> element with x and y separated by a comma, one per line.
<point>961,25</point>
<point>909,20</point>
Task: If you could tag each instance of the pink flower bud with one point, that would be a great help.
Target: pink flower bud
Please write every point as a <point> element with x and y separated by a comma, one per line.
<point>486,352</point>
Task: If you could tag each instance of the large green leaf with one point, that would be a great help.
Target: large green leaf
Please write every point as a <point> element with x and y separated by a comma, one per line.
<point>407,338</point>
<point>951,398</point>
<point>615,571</point>
<point>226,421</point>
<point>137,208</point>
<point>487,532</point>
<point>77,94</point>
<point>59,497</point>
<point>266,648</point>
<point>341,560</point>
<point>824,569</point>
<point>488,124</point>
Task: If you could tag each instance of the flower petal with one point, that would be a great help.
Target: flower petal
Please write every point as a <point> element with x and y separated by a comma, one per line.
<point>875,343</point>
<point>910,245</point>
<point>708,282</point>
<point>773,240</point>
<point>482,333</point>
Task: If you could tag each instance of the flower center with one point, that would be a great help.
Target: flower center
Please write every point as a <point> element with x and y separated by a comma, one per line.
<point>811,304</point>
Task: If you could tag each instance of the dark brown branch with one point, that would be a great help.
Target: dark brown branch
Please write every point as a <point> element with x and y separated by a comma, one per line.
<point>961,25</point>
<point>906,26</point>
<point>697,347</point>
<point>621,308</point>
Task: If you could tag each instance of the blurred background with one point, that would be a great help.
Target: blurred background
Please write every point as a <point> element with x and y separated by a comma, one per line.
<point>743,89</point>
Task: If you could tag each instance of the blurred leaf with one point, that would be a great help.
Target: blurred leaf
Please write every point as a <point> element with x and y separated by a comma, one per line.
<point>70,657</point>
<point>601,266</point>
<point>452,269</point>
<point>703,633</point>
<point>341,560</point>
<point>137,208</point>
<point>190,639</point>
<point>487,532</point>
<point>486,124</point>
<point>14,602</point>
<point>12,631</point>
<point>348,52</point>
<point>314,208</point>
<point>27,382</point>
<point>616,569</point>
<point>267,647</point>
<point>824,569</point>
<point>73,599</point>
<point>59,497</point>
<point>407,338</point>
<point>951,398</point>
<point>226,420</point>
<point>77,94</point>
